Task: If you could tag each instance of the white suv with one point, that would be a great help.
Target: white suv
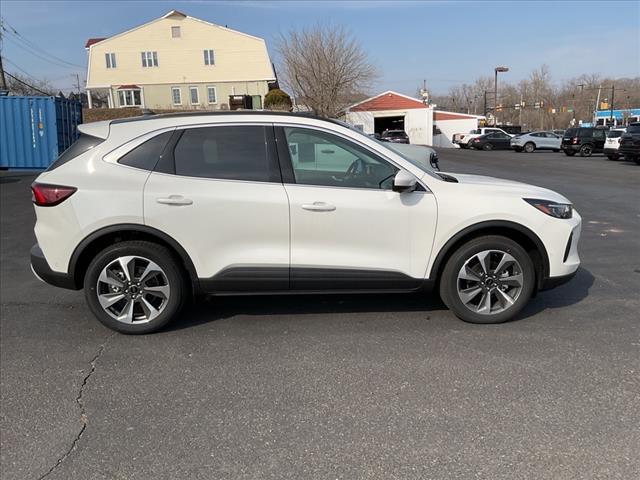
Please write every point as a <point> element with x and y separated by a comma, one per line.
<point>146,213</point>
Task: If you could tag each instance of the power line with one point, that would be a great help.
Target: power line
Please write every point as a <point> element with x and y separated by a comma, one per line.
<point>30,86</point>
<point>18,67</point>
<point>29,43</point>
<point>42,57</point>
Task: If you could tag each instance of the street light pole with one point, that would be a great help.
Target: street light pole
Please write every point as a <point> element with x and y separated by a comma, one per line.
<point>495,92</point>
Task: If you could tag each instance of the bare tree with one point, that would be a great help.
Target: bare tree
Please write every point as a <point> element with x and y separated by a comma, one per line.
<point>325,68</point>
<point>22,85</point>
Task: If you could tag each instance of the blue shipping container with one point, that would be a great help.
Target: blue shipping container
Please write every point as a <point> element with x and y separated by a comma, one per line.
<point>35,130</point>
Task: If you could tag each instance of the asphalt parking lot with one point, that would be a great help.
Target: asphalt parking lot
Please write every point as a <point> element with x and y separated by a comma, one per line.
<point>330,387</point>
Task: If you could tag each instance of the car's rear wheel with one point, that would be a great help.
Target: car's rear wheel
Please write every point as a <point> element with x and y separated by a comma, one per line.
<point>135,287</point>
<point>586,150</point>
<point>488,280</point>
<point>487,147</point>
<point>529,147</point>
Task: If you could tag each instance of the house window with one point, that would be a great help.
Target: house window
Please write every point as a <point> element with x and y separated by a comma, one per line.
<point>149,59</point>
<point>193,93</point>
<point>176,96</point>
<point>130,98</point>
<point>175,32</point>
<point>208,57</point>
<point>110,58</point>
<point>211,95</point>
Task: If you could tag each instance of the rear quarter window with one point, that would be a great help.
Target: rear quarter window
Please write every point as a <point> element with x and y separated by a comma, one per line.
<point>147,154</point>
<point>80,146</point>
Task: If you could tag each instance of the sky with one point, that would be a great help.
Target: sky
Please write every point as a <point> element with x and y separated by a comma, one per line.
<point>443,42</point>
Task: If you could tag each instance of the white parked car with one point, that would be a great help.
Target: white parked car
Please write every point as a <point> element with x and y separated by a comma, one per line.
<point>145,213</point>
<point>612,143</point>
<point>529,142</point>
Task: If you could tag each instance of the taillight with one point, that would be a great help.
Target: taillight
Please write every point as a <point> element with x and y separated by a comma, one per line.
<point>476,139</point>
<point>574,140</point>
<point>45,195</point>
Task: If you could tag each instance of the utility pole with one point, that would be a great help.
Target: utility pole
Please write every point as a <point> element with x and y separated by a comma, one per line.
<point>3,80</point>
<point>520,113</point>
<point>597,105</point>
<point>613,92</point>
<point>485,103</point>
<point>78,84</point>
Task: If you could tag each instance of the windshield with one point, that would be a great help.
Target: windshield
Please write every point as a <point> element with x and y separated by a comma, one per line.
<point>417,155</point>
<point>633,129</point>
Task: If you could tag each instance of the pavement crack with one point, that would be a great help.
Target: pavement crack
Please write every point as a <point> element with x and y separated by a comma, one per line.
<point>83,413</point>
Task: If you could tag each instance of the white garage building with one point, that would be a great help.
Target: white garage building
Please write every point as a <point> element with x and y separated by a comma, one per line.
<point>448,123</point>
<point>424,125</point>
<point>393,111</point>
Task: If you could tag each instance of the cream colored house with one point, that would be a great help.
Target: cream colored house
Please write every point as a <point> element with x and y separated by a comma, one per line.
<point>181,62</point>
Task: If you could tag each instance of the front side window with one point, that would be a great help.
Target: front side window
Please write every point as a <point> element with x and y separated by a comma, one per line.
<point>110,59</point>
<point>211,95</point>
<point>320,158</point>
<point>208,57</point>
<point>176,96</point>
<point>225,152</point>
<point>130,98</point>
<point>149,59</point>
<point>193,93</point>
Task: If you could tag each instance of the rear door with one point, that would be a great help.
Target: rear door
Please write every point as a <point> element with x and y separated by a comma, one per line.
<point>218,192</point>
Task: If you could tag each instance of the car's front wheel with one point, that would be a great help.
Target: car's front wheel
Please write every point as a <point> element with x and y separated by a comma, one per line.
<point>529,147</point>
<point>488,280</point>
<point>487,147</point>
<point>134,287</point>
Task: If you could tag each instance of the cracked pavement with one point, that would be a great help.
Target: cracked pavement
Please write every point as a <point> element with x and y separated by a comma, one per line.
<point>376,387</point>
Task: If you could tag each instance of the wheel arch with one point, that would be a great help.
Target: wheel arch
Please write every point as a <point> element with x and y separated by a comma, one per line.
<point>515,231</point>
<point>100,239</point>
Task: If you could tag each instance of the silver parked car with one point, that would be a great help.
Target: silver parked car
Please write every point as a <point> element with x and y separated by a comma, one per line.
<point>531,141</point>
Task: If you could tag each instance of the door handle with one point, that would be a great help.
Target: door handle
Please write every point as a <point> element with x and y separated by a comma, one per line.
<point>174,200</point>
<point>318,207</point>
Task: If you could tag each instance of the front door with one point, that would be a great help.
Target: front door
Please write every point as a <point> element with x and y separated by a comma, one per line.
<point>349,229</point>
<point>219,194</point>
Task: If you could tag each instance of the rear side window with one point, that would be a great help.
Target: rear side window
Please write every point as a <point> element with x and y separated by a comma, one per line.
<point>83,144</point>
<point>225,152</point>
<point>147,154</point>
<point>585,133</point>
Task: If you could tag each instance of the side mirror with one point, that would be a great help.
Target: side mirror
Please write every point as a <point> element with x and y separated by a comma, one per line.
<point>433,161</point>
<point>404,182</point>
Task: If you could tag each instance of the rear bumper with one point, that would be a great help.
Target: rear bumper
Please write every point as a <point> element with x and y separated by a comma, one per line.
<point>42,271</point>
<point>611,151</point>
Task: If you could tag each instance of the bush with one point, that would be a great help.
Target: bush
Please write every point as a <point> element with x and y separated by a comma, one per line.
<point>276,99</point>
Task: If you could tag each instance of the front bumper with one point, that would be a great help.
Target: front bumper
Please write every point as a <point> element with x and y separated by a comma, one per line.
<point>553,282</point>
<point>42,271</point>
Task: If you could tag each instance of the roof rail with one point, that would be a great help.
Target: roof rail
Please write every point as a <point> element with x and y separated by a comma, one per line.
<point>150,115</point>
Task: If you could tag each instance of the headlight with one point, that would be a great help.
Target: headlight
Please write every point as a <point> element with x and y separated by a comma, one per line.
<point>554,209</point>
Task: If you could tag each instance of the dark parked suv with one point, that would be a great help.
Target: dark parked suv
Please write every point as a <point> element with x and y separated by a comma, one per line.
<point>395,136</point>
<point>630,143</point>
<point>583,140</point>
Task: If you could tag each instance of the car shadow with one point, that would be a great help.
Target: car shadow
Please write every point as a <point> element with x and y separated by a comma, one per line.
<point>217,308</point>
<point>565,295</point>
<point>213,309</point>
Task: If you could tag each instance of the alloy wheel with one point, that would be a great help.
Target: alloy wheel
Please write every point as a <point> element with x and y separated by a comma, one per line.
<point>490,282</point>
<point>133,289</point>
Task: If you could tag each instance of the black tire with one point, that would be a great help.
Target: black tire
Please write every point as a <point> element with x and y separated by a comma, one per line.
<point>449,278</point>
<point>569,153</point>
<point>175,276</point>
<point>586,150</point>
<point>487,147</point>
<point>613,157</point>
<point>529,147</point>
